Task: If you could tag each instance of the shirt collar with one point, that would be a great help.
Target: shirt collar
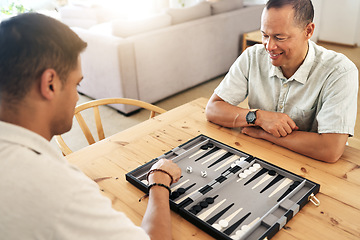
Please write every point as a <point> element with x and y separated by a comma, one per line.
<point>301,75</point>
<point>21,136</point>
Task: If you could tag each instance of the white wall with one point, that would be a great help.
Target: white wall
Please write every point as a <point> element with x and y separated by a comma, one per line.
<point>339,21</point>
<point>317,16</point>
<point>358,28</point>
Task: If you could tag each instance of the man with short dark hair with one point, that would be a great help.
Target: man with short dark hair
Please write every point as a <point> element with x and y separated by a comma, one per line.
<point>301,96</point>
<point>42,196</point>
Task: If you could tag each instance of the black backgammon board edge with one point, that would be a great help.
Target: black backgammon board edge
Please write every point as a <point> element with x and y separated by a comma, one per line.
<point>179,208</point>
<point>302,202</point>
<point>134,181</point>
<point>207,228</point>
<point>250,157</point>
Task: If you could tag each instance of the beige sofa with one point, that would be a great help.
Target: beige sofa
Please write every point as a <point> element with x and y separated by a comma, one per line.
<point>157,57</point>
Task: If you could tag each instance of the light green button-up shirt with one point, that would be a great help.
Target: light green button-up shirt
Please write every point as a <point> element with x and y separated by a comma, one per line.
<point>320,97</point>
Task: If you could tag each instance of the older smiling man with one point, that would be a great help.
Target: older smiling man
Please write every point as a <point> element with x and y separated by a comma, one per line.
<point>302,96</point>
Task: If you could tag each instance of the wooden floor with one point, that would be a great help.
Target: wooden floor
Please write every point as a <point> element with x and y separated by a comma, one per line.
<point>353,53</point>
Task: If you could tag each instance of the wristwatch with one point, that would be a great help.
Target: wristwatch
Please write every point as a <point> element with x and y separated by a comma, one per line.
<point>251,116</point>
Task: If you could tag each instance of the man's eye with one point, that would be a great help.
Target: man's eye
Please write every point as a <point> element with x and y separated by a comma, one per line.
<point>280,39</point>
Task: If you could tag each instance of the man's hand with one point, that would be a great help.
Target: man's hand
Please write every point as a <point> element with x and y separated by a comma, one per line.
<point>255,132</point>
<point>277,124</point>
<point>327,147</point>
<point>168,166</point>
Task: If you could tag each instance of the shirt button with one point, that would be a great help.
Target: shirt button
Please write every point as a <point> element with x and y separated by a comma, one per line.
<point>285,85</point>
<point>281,106</point>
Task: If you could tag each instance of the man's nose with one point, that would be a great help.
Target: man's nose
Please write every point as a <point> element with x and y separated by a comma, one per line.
<point>271,44</point>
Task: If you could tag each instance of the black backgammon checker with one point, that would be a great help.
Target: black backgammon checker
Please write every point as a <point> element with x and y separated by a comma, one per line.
<point>228,193</point>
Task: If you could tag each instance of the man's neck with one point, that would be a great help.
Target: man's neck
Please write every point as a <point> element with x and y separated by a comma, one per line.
<point>289,72</point>
<point>26,117</point>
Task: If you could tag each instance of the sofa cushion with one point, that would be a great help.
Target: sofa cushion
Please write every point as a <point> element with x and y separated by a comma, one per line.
<point>179,15</point>
<point>225,6</point>
<point>128,27</point>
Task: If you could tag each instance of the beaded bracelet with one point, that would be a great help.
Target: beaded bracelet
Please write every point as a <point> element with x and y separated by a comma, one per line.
<point>155,184</point>
<point>161,185</point>
<point>159,170</point>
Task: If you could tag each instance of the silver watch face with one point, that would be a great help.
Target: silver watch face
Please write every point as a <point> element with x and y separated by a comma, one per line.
<point>251,117</point>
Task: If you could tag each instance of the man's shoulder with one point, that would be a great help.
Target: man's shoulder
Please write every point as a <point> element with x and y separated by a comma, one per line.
<point>332,59</point>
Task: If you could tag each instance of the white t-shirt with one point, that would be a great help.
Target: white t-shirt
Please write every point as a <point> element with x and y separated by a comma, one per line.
<point>320,97</point>
<point>44,197</point>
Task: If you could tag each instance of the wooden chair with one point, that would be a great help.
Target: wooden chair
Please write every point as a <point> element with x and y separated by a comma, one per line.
<point>100,131</point>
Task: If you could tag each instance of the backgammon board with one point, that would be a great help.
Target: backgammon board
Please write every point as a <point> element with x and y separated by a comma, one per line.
<point>228,193</point>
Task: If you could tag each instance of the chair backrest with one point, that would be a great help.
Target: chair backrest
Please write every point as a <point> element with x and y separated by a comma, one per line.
<point>100,130</point>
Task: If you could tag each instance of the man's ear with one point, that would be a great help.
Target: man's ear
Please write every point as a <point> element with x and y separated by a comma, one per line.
<point>309,30</point>
<point>48,83</point>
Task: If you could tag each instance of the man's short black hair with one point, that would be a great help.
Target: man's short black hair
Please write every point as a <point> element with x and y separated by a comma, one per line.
<point>303,10</point>
<point>30,43</point>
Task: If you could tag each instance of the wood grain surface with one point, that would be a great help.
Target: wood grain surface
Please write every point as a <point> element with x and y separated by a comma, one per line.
<point>107,162</point>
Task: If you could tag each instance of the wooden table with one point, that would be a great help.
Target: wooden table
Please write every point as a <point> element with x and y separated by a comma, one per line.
<point>107,162</point>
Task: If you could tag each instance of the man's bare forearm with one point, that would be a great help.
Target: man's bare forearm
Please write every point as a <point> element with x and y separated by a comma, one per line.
<point>157,219</point>
<point>324,147</point>
<point>226,115</point>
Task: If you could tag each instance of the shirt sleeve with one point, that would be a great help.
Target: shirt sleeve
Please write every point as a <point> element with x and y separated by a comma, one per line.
<point>233,88</point>
<point>339,103</point>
